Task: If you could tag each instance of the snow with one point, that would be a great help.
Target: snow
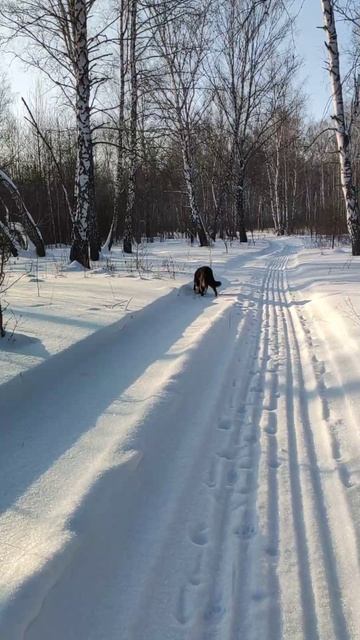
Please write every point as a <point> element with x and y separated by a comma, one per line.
<point>178,467</point>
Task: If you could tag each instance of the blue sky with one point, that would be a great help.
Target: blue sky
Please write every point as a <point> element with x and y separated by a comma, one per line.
<point>309,42</point>
<point>310,45</point>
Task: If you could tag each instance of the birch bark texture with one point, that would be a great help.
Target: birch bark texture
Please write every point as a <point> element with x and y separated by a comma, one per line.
<point>30,227</point>
<point>55,41</point>
<point>84,225</point>
<point>119,183</point>
<point>130,202</point>
<point>342,133</point>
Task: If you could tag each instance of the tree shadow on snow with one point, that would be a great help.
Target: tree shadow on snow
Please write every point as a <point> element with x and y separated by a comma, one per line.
<point>45,410</point>
<point>22,343</point>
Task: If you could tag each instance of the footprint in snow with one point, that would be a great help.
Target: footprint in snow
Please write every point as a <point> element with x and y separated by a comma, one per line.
<point>199,535</point>
<point>225,424</point>
<point>245,531</point>
<point>210,480</point>
<point>274,463</point>
<point>232,477</point>
<point>251,438</point>
<point>345,476</point>
<point>214,611</point>
<point>245,463</point>
<point>183,610</point>
<point>195,576</point>
<point>228,454</point>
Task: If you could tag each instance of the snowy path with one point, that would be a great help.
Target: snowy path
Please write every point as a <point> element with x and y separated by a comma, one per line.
<point>199,485</point>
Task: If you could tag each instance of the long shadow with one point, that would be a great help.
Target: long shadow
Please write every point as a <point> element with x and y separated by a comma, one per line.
<point>325,279</point>
<point>44,411</point>
<point>129,502</point>
<point>57,319</point>
<point>333,393</point>
<point>21,343</point>
<point>268,301</point>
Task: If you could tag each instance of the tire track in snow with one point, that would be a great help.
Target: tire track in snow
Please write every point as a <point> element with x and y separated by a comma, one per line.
<point>211,469</point>
<point>256,586</point>
<point>333,424</point>
<point>263,565</point>
<point>228,481</point>
<point>235,557</point>
<point>257,542</point>
<point>264,562</point>
<point>318,571</point>
<point>268,501</point>
<point>170,454</point>
<point>335,478</point>
<point>219,478</point>
<point>297,599</point>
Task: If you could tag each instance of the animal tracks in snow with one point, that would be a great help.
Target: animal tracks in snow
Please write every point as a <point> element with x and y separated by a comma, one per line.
<point>269,518</point>
<point>199,535</point>
<point>239,523</point>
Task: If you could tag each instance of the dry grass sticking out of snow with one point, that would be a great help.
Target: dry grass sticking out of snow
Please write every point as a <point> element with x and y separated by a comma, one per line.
<point>51,304</point>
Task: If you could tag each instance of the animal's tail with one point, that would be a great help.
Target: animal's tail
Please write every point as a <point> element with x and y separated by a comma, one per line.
<point>217,283</point>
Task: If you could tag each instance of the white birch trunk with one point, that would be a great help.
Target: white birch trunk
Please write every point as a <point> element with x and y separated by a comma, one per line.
<point>270,171</point>
<point>342,136</point>
<point>276,189</point>
<point>130,203</point>
<point>26,219</point>
<point>197,222</point>
<point>84,226</point>
<point>240,202</point>
<point>293,204</point>
<point>8,239</point>
<point>119,177</point>
<point>286,196</point>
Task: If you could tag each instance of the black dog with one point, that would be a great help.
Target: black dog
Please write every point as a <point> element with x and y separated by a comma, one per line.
<point>203,279</point>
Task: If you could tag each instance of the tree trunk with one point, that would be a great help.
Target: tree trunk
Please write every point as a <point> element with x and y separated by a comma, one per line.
<point>271,173</point>
<point>130,204</point>
<point>26,219</point>
<point>6,237</point>
<point>293,203</point>
<point>119,178</point>
<point>94,241</point>
<point>240,206</point>
<point>196,221</point>
<point>2,330</point>
<point>342,135</point>
<point>217,214</point>
<point>84,215</point>
<point>119,187</point>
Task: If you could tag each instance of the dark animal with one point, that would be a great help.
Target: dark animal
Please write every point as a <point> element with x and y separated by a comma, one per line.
<point>204,278</point>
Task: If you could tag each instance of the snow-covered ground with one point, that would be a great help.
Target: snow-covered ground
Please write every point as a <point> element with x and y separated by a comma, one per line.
<point>182,468</point>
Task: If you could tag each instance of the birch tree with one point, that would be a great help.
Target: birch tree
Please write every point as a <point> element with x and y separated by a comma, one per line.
<point>280,159</point>
<point>56,39</point>
<point>251,67</point>
<point>180,37</point>
<point>121,66</point>
<point>84,223</point>
<point>30,230</point>
<point>130,202</point>
<point>4,256</point>
<point>131,30</point>
<point>342,130</point>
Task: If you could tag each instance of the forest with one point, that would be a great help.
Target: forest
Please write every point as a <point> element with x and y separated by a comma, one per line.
<point>168,117</point>
<point>179,320</point>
